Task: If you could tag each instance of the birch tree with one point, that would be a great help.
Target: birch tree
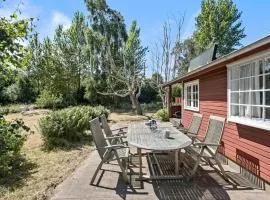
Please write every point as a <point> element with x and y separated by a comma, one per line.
<point>166,57</point>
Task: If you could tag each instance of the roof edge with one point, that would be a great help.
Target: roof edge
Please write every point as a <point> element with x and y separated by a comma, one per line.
<point>243,50</point>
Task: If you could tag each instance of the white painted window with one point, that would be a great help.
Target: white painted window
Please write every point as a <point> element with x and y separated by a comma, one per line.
<point>191,101</point>
<point>249,92</point>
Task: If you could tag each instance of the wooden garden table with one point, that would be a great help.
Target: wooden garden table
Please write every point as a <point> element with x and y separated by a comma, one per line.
<point>142,136</point>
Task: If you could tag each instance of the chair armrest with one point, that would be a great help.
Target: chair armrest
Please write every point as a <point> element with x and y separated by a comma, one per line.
<point>116,146</point>
<point>183,129</point>
<point>119,129</point>
<point>115,137</point>
<point>206,144</point>
<point>191,134</point>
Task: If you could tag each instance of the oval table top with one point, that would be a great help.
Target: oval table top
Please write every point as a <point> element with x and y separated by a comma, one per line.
<point>142,136</point>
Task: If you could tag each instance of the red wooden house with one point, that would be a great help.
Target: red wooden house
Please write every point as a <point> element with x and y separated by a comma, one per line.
<point>235,86</point>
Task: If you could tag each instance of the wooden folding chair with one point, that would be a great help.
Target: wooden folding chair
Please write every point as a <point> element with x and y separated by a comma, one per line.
<point>208,149</point>
<point>108,152</point>
<point>193,128</point>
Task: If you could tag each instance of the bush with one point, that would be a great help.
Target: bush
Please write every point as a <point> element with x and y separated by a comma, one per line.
<point>48,100</point>
<point>162,114</point>
<point>12,93</point>
<point>154,106</point>
<point>176,91</point>
<point>63,127</point>
<point>11,142</point>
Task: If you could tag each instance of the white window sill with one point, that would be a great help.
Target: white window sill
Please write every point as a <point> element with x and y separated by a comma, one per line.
<point>251,122</point>
<point>191,108</point>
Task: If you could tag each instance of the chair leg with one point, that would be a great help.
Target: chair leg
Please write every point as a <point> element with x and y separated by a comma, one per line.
<point>122,167</point>
<point>96,172</point>
<point>124,171</point>
<point>221,169</point>
<point>197,163</point>
<point>219,165</point>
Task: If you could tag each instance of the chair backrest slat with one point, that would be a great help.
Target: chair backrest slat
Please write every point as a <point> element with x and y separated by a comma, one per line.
<point>214,131</point>
<point>98,136</point>
<point>195,123</point>
<point>105,126</point>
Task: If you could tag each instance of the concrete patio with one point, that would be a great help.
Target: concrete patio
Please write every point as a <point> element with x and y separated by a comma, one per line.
<point>110,186</point>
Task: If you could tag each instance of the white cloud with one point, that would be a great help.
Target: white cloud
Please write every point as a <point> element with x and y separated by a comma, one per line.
<point>59,18</point>
<point>55,19</point>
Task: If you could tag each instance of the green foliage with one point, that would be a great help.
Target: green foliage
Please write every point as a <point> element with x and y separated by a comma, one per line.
<point>219,23</point>
<point>148,93</point>
<point>153,106</point>
<point>12,93</point>
<point>48,100</point>
<point>64,127</point>
<point>188,51</point>
<point>13,55</point>
<point>162,114</point>
<point>11,142</point>
<point>176,90</point>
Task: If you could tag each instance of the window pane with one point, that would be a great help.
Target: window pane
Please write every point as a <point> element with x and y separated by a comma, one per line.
<point>267,98</point>
<point>195,96</point>
<point>235,85</point>
<point>244,84</point>
<point>257,83</point>
<point>244,97</point>
<point>195,88</point>
<point>261,66</point>
<point>235,97</point>
<point>254,69</point>
<point>245,111</point>
<point>267,113</point>
<point>235,73</point>
<point>188,102</point>
<point>234,110</point>
<point>257,112</point>
<point>245,71</point>
<point>267,82</point>
<point>256,98</point>
<point>195,103</point>
<point>267,66</point>
<point>188,89</point>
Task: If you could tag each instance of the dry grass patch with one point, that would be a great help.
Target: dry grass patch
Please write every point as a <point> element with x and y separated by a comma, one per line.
<point>41,170</point>
<point>116,117</point>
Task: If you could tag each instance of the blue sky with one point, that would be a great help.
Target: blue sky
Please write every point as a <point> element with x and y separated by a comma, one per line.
<point>150,15</point>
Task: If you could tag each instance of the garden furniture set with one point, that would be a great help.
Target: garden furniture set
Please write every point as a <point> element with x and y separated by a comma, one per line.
<point>157,138</point>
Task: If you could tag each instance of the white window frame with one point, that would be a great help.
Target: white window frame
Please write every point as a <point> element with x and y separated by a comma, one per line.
<point>262,124</point>
<point>191,83</point>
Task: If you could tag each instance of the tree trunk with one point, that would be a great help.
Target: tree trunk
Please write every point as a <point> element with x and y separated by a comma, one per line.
<point>135,104</point>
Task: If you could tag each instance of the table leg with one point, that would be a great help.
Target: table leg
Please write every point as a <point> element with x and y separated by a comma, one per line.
<point>139,151</point>
<point>176,162</point>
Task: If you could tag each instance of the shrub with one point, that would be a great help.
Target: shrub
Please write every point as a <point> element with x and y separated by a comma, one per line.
<point>162,114</point>
<point>176,90</point>
<point>4,110</point>
<point>11,142</point>
<point>12,92</point>
<point>63,127</point>
<point>48,100</point>
<point>153,106</point>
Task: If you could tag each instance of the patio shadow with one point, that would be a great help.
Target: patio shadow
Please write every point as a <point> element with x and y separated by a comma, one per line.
<point>203,186</point>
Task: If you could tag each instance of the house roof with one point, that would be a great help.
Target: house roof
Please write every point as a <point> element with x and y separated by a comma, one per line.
<point>250,49</point>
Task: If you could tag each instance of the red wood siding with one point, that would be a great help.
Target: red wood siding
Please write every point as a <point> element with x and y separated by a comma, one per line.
<point>247,146</point>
